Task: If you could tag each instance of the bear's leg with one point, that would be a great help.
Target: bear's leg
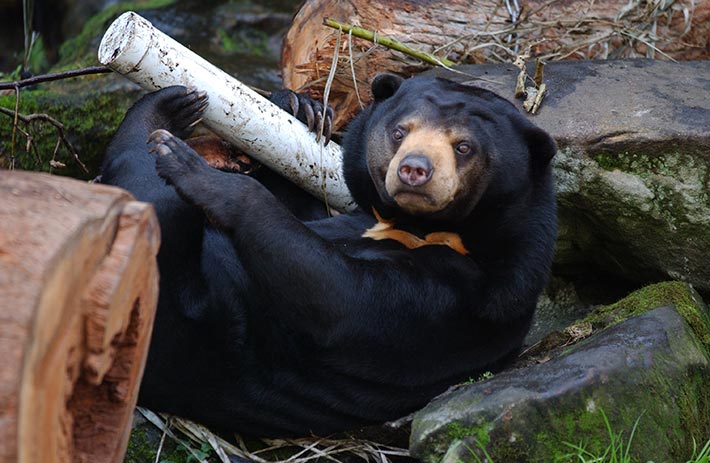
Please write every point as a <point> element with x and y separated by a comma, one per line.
<point>195,180</point>
<point>129,164</point>
<point>222,196</point>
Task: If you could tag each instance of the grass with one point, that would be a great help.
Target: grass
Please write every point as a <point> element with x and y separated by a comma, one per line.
<point>482,449</point>
<point>619,447</point>
<point>618,450</point>
<point>483,377</point>
<point>703,456</point>
<point>199,445</point>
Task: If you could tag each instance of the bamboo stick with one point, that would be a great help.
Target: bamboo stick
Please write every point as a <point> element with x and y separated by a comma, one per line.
<point>389,43</point>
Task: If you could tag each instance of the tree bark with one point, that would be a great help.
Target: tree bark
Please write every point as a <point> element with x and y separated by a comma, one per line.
<point>78,291</point>
<point>481,32</point>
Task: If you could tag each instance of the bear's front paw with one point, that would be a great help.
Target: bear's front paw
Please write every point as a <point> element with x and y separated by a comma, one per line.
<point>176,162</point>
<point>306,110</point>
<point>177,109</point>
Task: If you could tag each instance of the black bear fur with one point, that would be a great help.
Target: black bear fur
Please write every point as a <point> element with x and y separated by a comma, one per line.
<point>271,326</point>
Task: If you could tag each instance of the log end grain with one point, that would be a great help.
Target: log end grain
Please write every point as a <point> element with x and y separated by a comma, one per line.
<point>78,291</point>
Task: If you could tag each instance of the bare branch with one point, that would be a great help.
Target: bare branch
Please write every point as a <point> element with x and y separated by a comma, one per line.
<point>54,76</point>
<point>27,120</point>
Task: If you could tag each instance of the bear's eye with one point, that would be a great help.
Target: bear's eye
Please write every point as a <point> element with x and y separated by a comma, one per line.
<point>397,134</point>
<point>463,148</point>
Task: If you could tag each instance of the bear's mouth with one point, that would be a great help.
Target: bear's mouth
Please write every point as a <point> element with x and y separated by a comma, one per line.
<point>417,202</point>
<point>418,196</point>
<point>410,201</point>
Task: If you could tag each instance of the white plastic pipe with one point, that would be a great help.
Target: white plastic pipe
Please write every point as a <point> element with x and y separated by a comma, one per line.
<point>134,48</point>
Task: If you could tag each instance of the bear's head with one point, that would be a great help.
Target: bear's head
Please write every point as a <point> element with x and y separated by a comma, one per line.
<point>434,149</point>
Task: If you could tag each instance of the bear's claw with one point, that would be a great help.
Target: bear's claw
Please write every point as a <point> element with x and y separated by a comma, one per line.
<point>306,110</point>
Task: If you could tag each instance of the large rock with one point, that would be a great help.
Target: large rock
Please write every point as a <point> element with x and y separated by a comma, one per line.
<point>653,368</point>
<point>632,172</point>
<point>89,109</point>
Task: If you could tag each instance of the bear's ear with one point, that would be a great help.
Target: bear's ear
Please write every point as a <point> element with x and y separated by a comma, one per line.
<point>541,147</point>
<point>385,85</point>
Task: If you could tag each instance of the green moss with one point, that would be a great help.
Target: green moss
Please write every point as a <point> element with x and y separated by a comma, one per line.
<point>665,159</point>
<point>81,50</point>
<point>89,119</point>
<point>252,42</point>
<point>681,295</point>
<point>632,162</point>
<point>466,443</point>
<point>584,428</point>
<point>608,162</point>
<point>143,448</point>
<point>140,449</point>
<point>482,377</point>
<point>457,431</point>
<point>694,403</point>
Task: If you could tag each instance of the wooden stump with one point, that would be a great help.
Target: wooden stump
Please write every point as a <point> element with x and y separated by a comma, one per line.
<point>78,291</point>
<point>480,32</point>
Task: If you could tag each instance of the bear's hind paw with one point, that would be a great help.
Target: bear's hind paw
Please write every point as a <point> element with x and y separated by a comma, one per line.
<point>176,162</point>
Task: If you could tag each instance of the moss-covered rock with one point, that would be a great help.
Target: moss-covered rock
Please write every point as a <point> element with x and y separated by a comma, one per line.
<point>242,38</point>
<point>632,176</point>
<point>644,372</point>
<point>682,296</point>
<point>80,51</point>
<point>642,213</point>
<point>89,110</point>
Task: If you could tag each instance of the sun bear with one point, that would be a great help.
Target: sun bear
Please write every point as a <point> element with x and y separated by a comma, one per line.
<point>270,325</point>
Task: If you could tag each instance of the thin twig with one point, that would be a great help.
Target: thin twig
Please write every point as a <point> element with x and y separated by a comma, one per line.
<point>648,44</point>
<point>165,427</point>
<point>352,69</point>
<point>27,120</point>
<point>326,95</point>
<point>373,36</point>
<point>14,127</point>
<point>160,446</point>
<point>54,76</point>
<point>303,450</point>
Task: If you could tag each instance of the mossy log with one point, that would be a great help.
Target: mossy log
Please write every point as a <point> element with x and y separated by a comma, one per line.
<point>481,32</point>
<point>78,291</point>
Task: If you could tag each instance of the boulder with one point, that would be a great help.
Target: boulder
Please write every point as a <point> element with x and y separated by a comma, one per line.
<point>632,171</point>
<point>89,110</point>
<point>642,380</point>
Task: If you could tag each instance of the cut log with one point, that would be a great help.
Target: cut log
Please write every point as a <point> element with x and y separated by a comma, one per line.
<point>481,32</point>
<point>78,291</point>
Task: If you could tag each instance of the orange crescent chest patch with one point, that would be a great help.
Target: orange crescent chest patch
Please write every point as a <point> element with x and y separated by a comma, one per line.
<point>384,230</point>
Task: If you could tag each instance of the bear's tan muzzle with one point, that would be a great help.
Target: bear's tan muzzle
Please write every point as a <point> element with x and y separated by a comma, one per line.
<point>421,177</point>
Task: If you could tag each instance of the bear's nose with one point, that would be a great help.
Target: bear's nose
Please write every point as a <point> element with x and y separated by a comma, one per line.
<point>415,169</point>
